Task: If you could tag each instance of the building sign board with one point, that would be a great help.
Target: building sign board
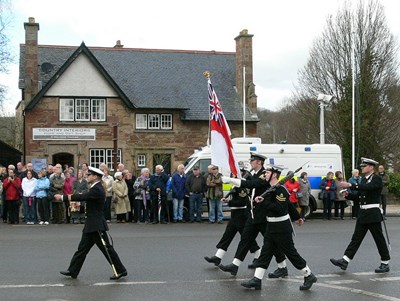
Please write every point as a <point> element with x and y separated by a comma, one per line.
<point>63,134</point>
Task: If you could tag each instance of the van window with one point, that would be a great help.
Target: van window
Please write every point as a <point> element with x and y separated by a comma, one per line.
<point>203,164</point>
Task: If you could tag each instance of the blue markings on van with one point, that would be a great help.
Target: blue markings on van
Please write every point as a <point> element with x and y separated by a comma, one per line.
<point>314,182</point>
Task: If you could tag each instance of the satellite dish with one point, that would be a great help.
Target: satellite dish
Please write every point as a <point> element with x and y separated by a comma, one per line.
<point>47,67</point>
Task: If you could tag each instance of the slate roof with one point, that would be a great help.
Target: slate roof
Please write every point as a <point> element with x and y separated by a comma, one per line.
<point>148,78</point>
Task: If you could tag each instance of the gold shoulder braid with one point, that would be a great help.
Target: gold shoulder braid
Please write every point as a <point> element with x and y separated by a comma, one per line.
<point>262,176</point>
<point>281,198</point>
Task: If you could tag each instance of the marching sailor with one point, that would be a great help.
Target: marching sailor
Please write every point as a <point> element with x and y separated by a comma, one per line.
<point>278,234</point>
<point>238,201</point>
<point>256,222</point>
<point>368,193</point>
<point>94,231</point>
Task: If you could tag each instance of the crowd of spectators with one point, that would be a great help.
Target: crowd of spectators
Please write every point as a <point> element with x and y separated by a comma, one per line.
<point>28,196</point>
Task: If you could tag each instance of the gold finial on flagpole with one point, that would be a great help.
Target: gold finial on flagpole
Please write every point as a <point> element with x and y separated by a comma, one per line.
<point>207,74</point>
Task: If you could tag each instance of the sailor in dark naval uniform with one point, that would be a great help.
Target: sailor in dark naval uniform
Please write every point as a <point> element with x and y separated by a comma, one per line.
<point>238,201</point>
<point>95,227</point>
<point>278,235</point>
<point>368,193</point>
<point>256,222</point>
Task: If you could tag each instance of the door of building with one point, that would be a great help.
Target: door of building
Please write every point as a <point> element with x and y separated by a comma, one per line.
<point>164,160</point>
<point>63,159</point>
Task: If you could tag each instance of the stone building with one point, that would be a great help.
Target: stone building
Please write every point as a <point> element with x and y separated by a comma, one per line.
<point>84,104</point>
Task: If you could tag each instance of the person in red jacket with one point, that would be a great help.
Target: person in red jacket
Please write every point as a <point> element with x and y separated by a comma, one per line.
<point>12,187</point>
<point>293,187</point>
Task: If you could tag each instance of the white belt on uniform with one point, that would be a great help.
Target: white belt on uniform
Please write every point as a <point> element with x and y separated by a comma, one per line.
<point>235,208</point>
<point>369,206</point>
<point>277,219</point>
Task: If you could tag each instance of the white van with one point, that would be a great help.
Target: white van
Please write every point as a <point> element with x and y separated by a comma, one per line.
<point>317,160</point>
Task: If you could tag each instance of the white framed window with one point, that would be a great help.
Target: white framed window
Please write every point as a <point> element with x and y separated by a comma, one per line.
<point>82,109</point>
<point>154,121</point>
<point>98,109</point>
<point>104,155</point>
<point>67,111</point>
<point>166,121</point>
<point>141,160</point>
<point>141,121</point>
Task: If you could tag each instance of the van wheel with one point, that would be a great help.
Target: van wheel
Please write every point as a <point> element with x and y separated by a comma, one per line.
<point>185,214</point>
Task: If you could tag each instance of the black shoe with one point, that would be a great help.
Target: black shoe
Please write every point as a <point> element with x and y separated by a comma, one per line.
<point>215,260</point>
<point>116,277</point>
<point>155,222</point>
<point>383,268</point>
<point>279,273</point>
<point>253,265</point>
<point>231,268</point>
<point>68,273</point>
<point>341,263</point>
<point>308,282</point>
<point>252,283</point>
<point>164,222</point>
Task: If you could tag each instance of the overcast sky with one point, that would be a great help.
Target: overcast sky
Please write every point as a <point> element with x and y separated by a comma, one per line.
<point>283,32</point>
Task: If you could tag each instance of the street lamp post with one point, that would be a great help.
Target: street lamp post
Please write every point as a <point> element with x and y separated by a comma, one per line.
<point>324,101</point>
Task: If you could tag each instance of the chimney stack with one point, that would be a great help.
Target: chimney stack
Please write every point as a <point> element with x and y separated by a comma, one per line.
<point>118,44</point>
<point>244,57</point>
<point>31,59</point>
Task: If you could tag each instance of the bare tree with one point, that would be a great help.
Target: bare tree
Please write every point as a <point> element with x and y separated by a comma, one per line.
<point>329,71</point>
<point>5,53</point>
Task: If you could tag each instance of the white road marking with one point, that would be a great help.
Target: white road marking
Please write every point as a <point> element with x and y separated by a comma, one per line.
<point>353,290</point>
<point>386,279</point>
<point>364,273</point>
<point>334,284</point>
<point>342,281</point>
<point>128,283</point>
<point>318,276</point>
<point>31,285</point>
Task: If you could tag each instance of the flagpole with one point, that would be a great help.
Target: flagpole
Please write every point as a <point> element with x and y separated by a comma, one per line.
<point>207,75</point>
<point>353,139</point>
<point>244,101</point>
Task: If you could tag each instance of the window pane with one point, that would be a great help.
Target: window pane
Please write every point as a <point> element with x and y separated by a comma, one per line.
<point>98,109</point>
<point>166,121</point>
<point>97,156</point>
<point>82,109</point>
<point>141,121</point>
<point>154,121</point>
<point>66,109</point>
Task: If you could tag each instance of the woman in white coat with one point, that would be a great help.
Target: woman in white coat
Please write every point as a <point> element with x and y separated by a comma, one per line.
<point>120,198</point>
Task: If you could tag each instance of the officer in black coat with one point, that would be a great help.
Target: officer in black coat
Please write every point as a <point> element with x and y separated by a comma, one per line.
<point>368,194</point>
<point>257,222</point>
<point>278,235</point>
<point>238,201</point>
<point>95,227</point>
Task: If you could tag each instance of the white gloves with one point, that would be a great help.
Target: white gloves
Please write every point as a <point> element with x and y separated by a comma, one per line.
<point>228,180</point>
